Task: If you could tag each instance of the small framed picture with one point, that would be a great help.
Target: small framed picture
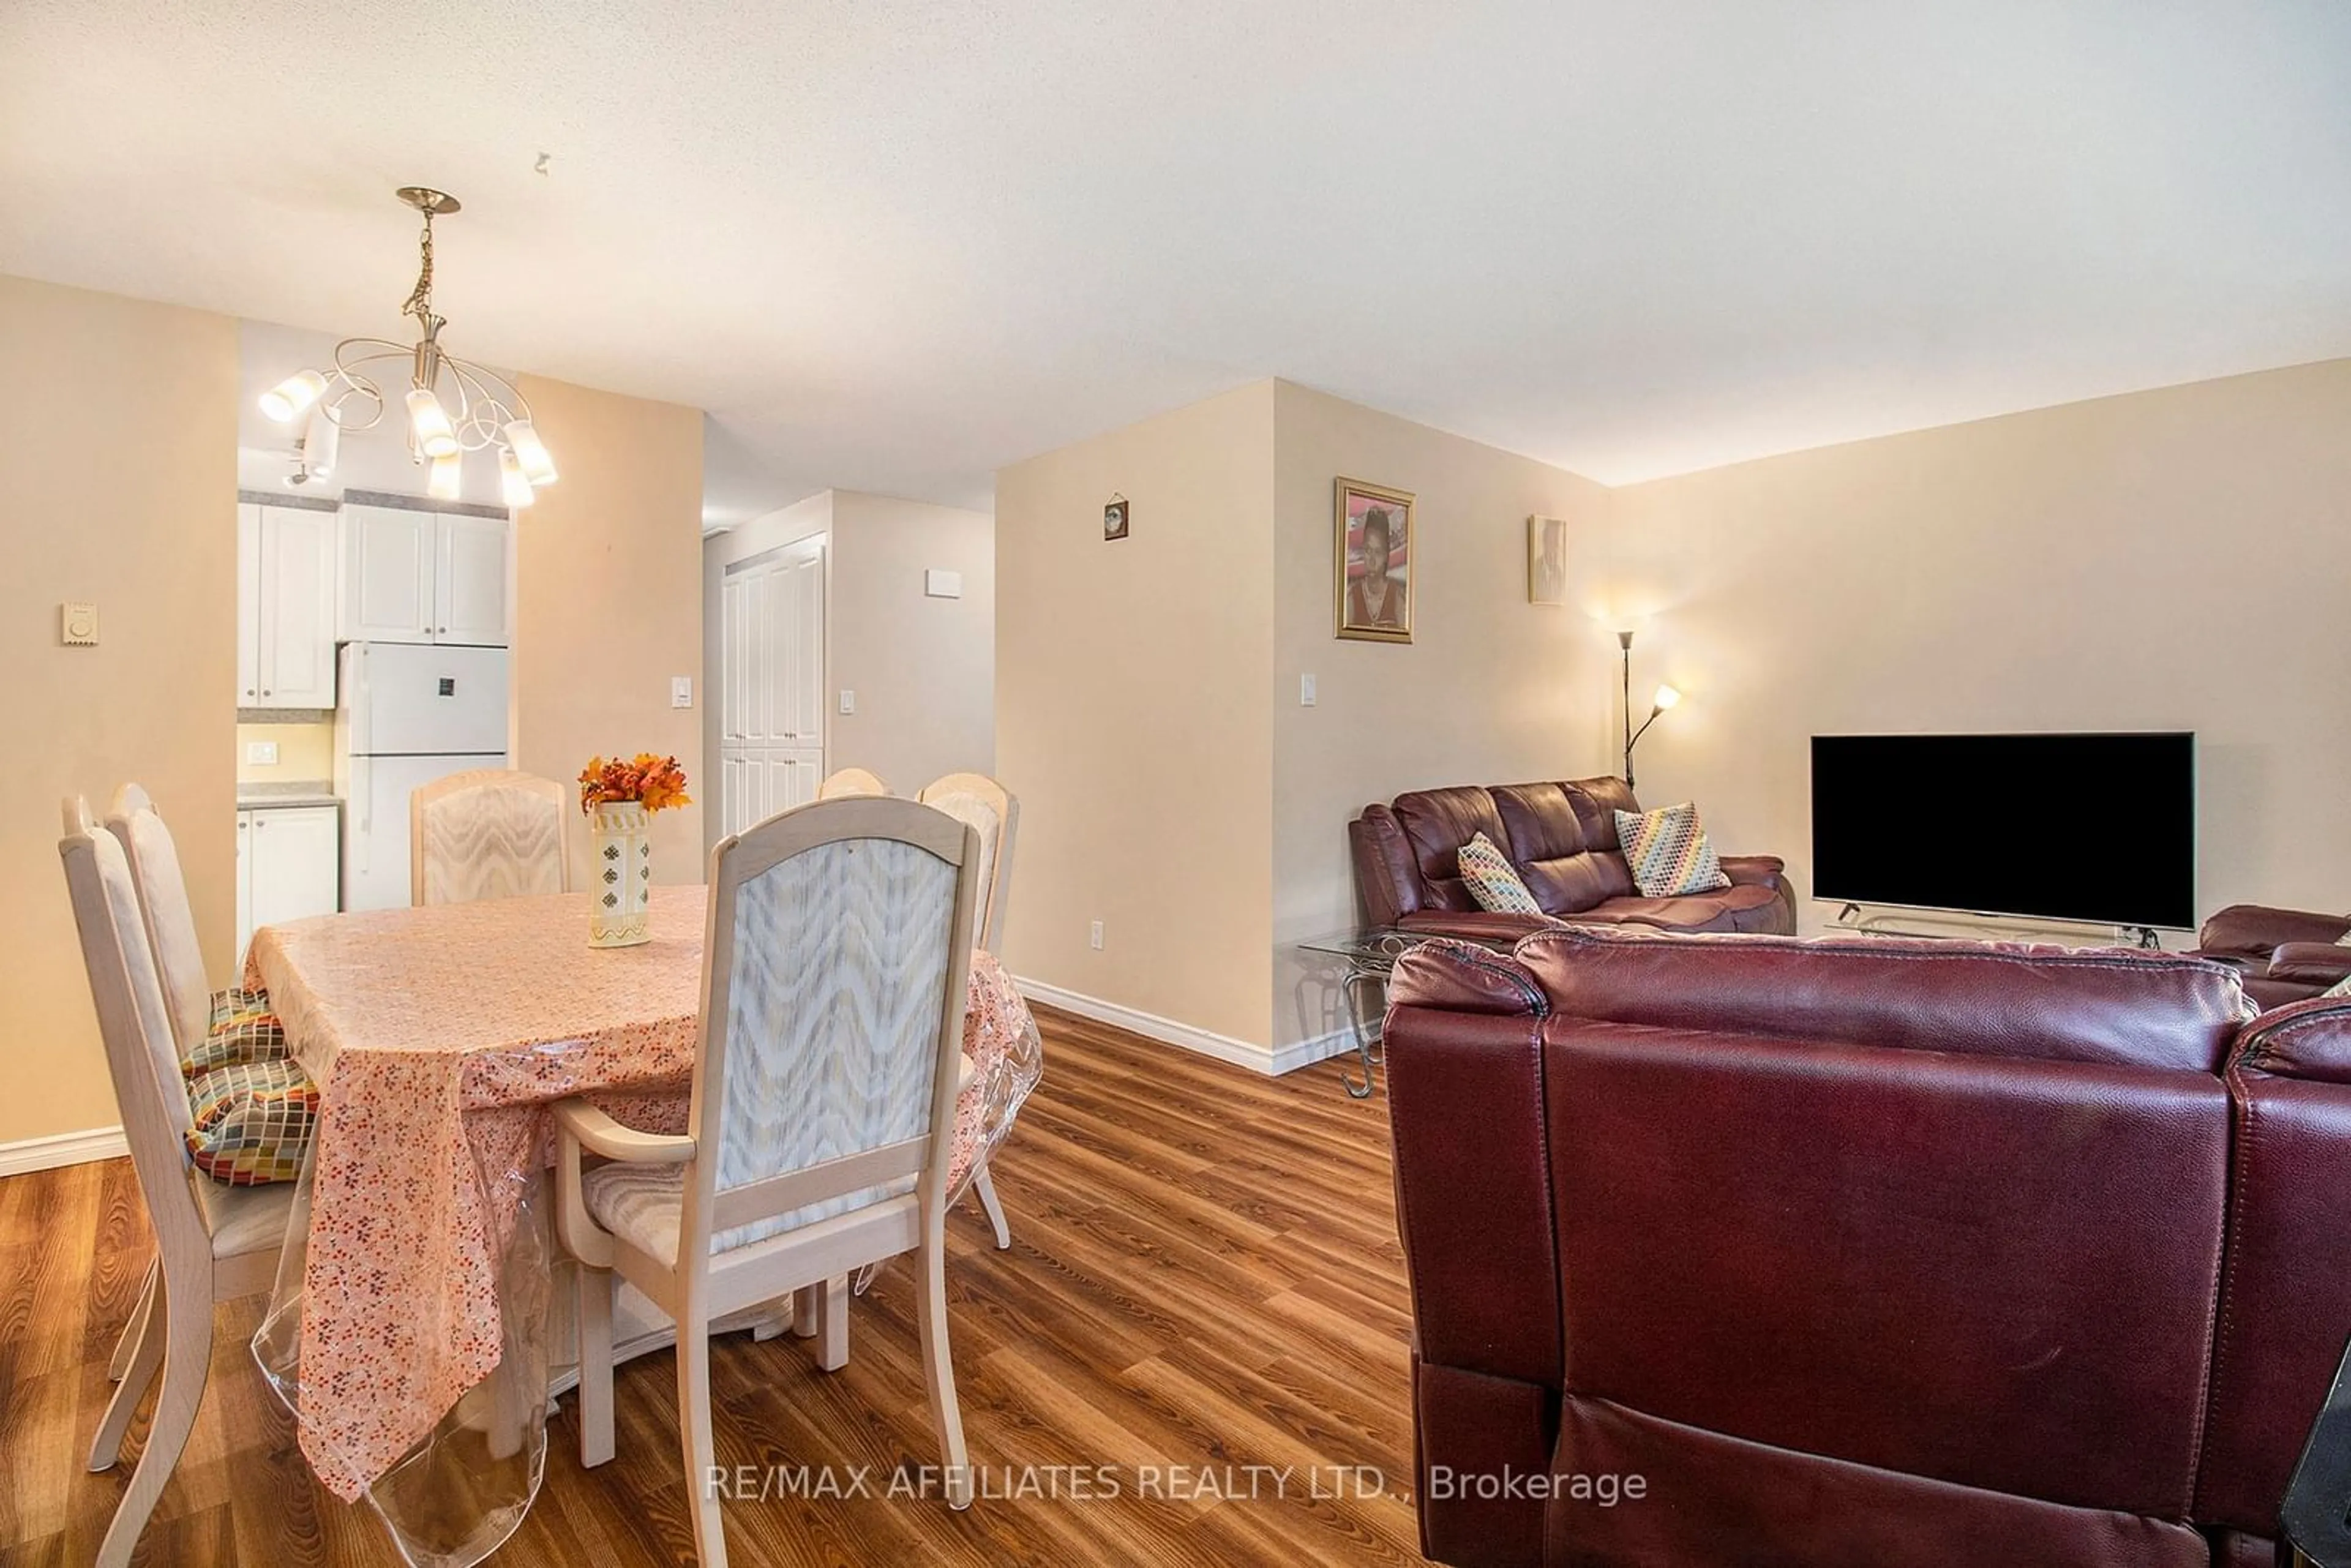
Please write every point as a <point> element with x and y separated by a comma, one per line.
<point>1373,550</point>
<point>1546,561</point>
<point>1115,519</point>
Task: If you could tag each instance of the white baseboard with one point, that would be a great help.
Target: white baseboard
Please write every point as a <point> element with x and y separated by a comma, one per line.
<point>61,1149</point>
<point>1272,1062</point>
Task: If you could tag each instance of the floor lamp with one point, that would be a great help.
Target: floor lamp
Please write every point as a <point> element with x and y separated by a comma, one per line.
<point>1664,699</point>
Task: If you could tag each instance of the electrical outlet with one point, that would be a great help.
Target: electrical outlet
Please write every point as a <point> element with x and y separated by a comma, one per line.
<point>848,700</point>
<point>1094,935</point>
<point>681,691</point>
<point>261,754</point>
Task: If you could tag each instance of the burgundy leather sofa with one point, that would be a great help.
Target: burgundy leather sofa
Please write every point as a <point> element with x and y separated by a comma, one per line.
<point>1877,1254</point>
<point>1563,837</point>
<point>2283,954</point>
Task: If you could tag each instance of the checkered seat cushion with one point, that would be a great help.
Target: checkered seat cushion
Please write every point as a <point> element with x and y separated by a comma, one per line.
<point>240,1029</point>
<point>252,1122</point>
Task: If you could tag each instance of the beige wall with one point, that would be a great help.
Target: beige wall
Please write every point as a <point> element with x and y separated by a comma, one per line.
<point>119,421</point>
<point>2171,559</point>
<point>1132,714</point>
<point>1492,689</point>
<point>924,669</point>
<point>306,753</point>
<point>608,602</point>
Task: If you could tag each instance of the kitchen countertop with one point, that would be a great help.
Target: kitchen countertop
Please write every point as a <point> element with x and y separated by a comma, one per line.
<point>253,795</point>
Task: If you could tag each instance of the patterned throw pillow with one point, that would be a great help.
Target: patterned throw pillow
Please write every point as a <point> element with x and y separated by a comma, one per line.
<point>242,1029</point>
<point>1493,881</point>
<point>2344,940</point>
<point>2341,988</point>
<point>252,1122</point>
<point>1667,851</point>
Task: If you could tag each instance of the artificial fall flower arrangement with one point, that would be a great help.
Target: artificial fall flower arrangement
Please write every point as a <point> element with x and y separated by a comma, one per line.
<point>654,782</point>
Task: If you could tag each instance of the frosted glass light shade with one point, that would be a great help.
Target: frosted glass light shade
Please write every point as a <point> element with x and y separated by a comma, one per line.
<point>286,401</point>
<point>512,481</point>
<point>446,481</point>
<point>435,437</point>
<point>1666,697</point>
<point>529,451</point>
<point>322,442</point>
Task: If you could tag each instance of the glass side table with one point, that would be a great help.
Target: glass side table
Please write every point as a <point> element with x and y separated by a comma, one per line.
<point>1366,959</point>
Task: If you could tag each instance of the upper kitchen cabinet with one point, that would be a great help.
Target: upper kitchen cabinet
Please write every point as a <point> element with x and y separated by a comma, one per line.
<point>425,577</point>
<point>285,607</point>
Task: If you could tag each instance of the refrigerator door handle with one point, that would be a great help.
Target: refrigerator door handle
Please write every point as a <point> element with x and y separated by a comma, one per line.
<point>363,796</point>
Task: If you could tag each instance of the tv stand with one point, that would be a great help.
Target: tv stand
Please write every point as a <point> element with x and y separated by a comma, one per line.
<point>1938,927</point>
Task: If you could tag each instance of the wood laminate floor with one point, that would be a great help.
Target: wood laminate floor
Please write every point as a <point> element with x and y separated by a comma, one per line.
<point>1204,1274</point>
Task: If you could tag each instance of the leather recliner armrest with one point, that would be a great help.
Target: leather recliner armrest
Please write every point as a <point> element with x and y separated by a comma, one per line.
<point>1762,871</point>
<point>2254,931</point>
<point>1464,1047</point>
<point>2318,964</point>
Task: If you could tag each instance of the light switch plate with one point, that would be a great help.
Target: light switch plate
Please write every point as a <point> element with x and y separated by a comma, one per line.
<point>78,625</point>
<point>261,754</point>
<point>1305,691</point>
<point>939,584</point>
<point>681,691</point>
<point>848,700</point>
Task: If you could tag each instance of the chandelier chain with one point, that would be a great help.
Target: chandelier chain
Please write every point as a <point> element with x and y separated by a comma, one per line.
<point>420,299</point>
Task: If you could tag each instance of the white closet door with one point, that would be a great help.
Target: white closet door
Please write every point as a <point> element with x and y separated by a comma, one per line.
<point>771,714</point>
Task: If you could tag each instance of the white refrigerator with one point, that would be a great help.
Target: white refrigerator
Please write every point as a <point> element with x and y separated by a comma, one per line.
<point>409,713</point>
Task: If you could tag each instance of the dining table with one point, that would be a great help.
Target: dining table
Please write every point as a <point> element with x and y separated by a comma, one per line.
<point>416,1329</point>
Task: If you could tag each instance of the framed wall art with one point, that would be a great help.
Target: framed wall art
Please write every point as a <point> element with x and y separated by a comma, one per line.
<point>1374,550</point>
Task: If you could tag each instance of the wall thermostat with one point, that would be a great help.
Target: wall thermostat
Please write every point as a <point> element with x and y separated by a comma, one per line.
<point>79,625</point>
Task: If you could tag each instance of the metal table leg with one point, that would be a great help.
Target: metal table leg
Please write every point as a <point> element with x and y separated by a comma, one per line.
<point>1366,1029</point>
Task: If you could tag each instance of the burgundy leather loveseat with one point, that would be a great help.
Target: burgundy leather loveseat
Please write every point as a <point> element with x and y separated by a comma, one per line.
<point>2283,954</point>
<point>1876,1254</point>
<point>1563,837</point>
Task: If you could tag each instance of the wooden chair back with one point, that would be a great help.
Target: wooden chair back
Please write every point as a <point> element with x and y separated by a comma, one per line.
<point>134,1022</point>
<point>995,814</point>
<point>850,782</point>
<point>169,919</point>
<point>492,833</point>
<point>838,952</point>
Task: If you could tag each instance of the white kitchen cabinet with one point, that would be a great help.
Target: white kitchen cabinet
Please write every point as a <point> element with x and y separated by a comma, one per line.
<point>285,607</point>
<point>248,605</point>
<point>288,866</point>
<point>425,577</point>
<point>469,582</point>
<point>387,575</point>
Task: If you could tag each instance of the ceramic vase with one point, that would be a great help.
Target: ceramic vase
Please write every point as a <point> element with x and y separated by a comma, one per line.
<point>620,850</point>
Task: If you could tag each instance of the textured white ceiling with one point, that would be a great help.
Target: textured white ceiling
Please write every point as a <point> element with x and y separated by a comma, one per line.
<point>891,245</point>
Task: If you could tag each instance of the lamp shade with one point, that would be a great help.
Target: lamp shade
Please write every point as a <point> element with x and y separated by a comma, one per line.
<point>285,401</point>
<point>435,437</point>
<point>512,481</point>
<point>446,482</point>
<point>1666,697</point>
<point>322,442</point>
<point>529,451</point>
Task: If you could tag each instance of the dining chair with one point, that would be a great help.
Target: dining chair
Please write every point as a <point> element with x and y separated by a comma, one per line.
<point>166,912</point>
<point>213,1242</point>
<point>993,812</point>
<point>491,832</point>
<point>170,921</point>
<point>850,782</point>
<point>822,1119</point>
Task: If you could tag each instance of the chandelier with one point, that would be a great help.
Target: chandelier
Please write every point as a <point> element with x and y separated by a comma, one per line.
<point>478,409</point>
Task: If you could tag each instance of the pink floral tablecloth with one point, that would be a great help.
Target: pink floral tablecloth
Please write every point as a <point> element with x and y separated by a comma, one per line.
<point>438,1037</point>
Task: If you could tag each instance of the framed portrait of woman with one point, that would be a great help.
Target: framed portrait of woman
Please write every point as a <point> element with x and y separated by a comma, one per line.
<point>1373,550</point>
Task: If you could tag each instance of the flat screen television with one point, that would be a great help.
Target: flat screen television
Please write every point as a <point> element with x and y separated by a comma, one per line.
<point>2099,829</point>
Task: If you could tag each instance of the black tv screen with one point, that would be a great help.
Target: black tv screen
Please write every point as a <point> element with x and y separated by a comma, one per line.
<point>2099,829</point>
